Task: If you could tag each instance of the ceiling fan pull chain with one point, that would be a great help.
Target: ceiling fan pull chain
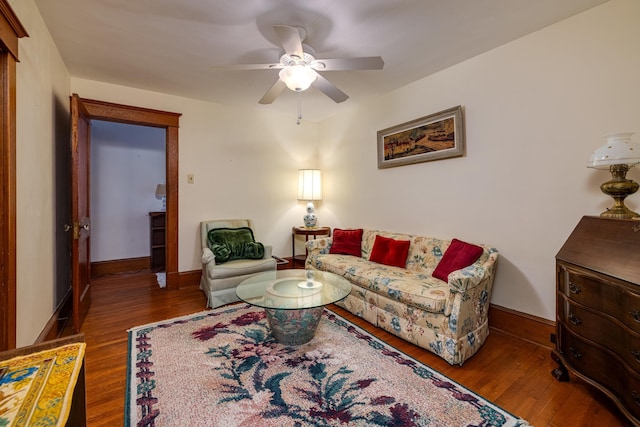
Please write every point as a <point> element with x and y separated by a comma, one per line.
<point>299,107</point>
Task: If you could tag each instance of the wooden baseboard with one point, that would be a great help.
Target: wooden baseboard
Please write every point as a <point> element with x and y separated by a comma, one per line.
<point>117,266</point>
<point>189,278</point>
<point>521,325</point>
<point>56,324</point>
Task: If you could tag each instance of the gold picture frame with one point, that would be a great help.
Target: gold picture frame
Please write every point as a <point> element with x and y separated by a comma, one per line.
<point>434,137</point>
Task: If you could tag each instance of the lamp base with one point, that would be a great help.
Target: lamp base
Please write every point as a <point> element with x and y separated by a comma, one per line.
<point>619,188</point>
<point>624,213</point>
<point>310,219</point>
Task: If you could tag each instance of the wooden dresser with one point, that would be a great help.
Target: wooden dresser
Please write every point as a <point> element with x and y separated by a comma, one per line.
<point>598,309</point>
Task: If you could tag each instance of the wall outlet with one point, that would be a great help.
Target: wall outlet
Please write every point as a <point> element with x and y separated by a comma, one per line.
<point>190,179</point>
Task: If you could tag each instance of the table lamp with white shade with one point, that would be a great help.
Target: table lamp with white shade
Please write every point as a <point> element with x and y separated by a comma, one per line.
<point>618,155</point>
<point>161,194</point>
<point>310,189</point>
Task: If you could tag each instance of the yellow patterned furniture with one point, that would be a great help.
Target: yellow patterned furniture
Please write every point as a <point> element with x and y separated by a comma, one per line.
<point>448,318</point>
<point>44,384</point>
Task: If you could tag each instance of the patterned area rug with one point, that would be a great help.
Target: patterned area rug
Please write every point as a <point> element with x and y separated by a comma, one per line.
<point>223,368</point>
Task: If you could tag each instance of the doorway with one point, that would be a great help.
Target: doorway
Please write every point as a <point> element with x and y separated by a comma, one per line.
<point>109,112</point>
<point>127,166</point>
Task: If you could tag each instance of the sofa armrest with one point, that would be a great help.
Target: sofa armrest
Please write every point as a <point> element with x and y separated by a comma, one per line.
<point>469,277</point>
<point>468,303</point>
<point>268,250</point>
<point>315,248</point>
<point>319,246</point>
<point>207,257</point>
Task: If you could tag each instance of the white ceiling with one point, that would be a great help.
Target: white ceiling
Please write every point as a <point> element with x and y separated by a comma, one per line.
<point>172,46</point>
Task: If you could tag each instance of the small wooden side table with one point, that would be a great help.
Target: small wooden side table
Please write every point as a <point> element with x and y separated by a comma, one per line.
<point>305,231</point>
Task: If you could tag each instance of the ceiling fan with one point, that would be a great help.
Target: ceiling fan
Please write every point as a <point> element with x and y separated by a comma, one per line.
<point>299,67</point>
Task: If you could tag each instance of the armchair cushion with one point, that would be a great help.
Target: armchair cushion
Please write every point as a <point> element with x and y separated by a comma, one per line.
<point>234,243</point>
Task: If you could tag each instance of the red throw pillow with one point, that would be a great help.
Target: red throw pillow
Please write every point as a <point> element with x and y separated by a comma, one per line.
<point>346,242</point>
<point>458,255</point>
<point>389,251</point>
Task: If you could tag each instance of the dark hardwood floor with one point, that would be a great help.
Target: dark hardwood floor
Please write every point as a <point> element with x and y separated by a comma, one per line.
<point>514,374</point>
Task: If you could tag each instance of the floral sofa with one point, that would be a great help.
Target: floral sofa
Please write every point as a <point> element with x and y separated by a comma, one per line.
<point>447,317</point>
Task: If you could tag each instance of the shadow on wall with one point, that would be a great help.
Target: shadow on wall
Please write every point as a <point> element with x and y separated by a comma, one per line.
<point>513,290</point>
<point>62,197</point>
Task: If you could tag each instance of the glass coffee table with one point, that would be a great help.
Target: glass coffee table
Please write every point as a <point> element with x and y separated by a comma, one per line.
<point>293,300</point>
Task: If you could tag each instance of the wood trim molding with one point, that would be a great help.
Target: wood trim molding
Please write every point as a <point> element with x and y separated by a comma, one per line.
<point>100,110</point>
<point>108,111</point>
<point>521,325</point>
<point>117,266</point>
<point>58,321</point>
<point>10,31</point>
<point>190,278</point>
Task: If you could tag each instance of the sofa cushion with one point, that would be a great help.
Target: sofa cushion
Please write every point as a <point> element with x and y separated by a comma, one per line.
<point>458,255</point>
<point>414,288</point>
<point>390,251</point>
<point>346,242</point>
<point>229,244</point>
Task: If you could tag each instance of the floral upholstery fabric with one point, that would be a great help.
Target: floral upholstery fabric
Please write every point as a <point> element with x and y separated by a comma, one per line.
<point>449,319</point>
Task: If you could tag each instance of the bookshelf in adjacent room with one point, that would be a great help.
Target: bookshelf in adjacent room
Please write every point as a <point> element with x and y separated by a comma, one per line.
<point>157,225</point>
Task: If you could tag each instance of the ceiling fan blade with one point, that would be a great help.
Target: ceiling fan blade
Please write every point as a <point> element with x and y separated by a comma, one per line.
<point>330,89</point>
<point>250,67</point>
<point>290,40</point>
<point>364,63</point>
<point>273,93</point>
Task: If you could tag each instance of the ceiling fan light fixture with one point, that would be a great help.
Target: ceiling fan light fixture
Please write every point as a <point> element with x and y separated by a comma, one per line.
<point>298,77</point>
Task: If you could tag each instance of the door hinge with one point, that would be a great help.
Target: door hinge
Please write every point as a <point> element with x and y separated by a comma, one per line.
<point>76,226</point>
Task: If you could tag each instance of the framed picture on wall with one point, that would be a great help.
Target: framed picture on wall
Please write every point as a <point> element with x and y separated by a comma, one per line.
<point>434,137</point>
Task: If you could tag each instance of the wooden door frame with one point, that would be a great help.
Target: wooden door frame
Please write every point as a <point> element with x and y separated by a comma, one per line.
<point>109,112</point>
<point>10,31</point>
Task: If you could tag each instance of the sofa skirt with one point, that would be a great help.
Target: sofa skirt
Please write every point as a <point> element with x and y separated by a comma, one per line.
<point>426,330</point>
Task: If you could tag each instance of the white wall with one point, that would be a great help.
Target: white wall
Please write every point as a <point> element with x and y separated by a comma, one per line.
<point>245,164</point>
<point>42,119</point>
<point>127,163</point>
<point>534,109</point>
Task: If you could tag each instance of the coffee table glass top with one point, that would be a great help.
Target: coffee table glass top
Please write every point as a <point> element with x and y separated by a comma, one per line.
<point>293,289</point>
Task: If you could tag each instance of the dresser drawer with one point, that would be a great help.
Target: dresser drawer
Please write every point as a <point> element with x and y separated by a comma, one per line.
<point>602,295</point>
<point>602,368</point>
<point>601,329</point>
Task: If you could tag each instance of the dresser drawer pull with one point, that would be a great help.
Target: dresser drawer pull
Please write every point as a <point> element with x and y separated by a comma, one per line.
<point>574,319</point>
<point>573,288</point>
<point>636,354</point>
<point>575,353</point>
<point>636,397</point>
<point>635,314</point>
